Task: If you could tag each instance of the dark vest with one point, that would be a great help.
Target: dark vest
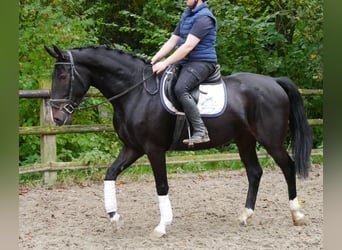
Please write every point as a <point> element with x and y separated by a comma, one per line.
<point>205,49</point>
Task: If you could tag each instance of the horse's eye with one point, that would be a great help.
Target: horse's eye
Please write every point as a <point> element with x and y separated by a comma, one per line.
<point>62,76</point>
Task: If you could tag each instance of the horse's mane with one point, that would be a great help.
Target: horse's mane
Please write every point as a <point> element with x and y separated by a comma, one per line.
<point>119,51</point>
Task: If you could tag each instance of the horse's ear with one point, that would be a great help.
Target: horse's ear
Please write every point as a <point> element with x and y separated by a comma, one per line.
<point>55,52</point>
<point>51,52</point>
<point>58,51</point>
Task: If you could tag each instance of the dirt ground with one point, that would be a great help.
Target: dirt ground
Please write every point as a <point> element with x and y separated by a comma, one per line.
<point>205,208</point>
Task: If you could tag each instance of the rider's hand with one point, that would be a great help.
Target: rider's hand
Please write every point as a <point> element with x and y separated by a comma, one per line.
<point>159,67</point>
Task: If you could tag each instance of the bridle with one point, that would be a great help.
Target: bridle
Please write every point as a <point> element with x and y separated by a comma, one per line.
<point>70,106</point>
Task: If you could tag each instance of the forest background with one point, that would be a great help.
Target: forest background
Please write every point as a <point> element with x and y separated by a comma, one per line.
<point>272,37</point>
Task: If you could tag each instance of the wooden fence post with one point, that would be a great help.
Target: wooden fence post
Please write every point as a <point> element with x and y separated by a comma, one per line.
<point>47,142</point>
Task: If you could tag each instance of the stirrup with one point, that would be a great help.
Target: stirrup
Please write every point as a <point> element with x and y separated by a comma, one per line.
<point>196,140</point>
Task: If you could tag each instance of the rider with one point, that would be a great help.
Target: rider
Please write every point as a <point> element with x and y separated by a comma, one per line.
<point>194,39</point>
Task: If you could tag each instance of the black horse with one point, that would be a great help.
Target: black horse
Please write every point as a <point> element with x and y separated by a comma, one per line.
<point>260,109</point>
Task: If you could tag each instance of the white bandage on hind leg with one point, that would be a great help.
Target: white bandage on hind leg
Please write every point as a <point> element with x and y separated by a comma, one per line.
<point>110,196</point>
<point>165,210</point>
<point>294,204</point>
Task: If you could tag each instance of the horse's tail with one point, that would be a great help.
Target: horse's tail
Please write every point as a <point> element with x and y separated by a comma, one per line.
<point>301,134</point>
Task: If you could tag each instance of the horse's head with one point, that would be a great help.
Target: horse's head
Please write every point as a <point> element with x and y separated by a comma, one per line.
<point>67,89</point>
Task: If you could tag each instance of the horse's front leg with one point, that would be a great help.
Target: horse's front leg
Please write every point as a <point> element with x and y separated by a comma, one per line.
<point>158,163</point>
<point>126,157</point>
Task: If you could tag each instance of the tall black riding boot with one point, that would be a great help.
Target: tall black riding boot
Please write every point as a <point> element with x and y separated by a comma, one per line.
<point>200,132</point>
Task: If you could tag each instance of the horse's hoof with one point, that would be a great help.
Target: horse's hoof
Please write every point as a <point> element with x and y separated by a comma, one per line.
<point>299,222</point>
<point>245,215</point>
<point>116,222</point>
<point>298,218</point>
<point>243,223</point>
<point>158,232</point>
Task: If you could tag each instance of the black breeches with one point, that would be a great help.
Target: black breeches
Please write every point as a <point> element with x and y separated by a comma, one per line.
<point>191,75</point>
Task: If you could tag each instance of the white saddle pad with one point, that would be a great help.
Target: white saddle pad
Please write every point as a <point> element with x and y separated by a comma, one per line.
<point>212,100</point>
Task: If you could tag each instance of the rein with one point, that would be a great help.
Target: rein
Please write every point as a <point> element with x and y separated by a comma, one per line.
<point>70,105</point>
<point>115,96</point>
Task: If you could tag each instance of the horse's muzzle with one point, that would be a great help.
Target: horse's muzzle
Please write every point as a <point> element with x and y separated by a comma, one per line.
<point>60,117</point>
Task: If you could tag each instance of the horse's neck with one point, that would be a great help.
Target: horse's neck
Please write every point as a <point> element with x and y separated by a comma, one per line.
<point>114,79</point>
<point>112,72</point>
<point>122,90</point>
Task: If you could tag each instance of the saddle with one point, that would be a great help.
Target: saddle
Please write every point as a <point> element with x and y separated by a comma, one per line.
<point>210,95</point>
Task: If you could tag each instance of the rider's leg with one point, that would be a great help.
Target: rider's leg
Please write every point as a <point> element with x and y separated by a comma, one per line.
<point>190,76</point>
<point>200,133</point>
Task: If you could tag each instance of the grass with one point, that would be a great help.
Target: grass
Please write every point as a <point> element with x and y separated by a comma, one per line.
<point>140,172</point>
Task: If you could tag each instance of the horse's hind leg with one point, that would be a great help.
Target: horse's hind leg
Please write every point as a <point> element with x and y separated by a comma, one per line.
<point>126,157</point>
<point>287,166</point>
<point>246,145</point>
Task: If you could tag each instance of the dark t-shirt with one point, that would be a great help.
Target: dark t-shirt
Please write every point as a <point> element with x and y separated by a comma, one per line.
<point>200,28</point>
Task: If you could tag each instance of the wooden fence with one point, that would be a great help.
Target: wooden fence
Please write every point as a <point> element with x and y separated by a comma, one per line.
<point>48,131</point>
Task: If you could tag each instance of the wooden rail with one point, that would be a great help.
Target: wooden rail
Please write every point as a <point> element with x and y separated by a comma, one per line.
<point>46,93</point>
<point>67,129</point>
<point>48,131</point>
<point>171,160</point>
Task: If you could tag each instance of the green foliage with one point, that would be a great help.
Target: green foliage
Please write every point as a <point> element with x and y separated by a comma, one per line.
<point>31,180</point>
<point>29,149</point>
<point>140,25</point>
<point>244,42</point>
<point>250,39</point>
<point>43,23</point>
<point>89,148</point>
<point>155,24</point>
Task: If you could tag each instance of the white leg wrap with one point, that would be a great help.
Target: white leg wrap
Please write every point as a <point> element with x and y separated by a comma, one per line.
<point>165,210</point>
<point>297,216</point>
<point>294,204</point>
<point>165,216</point>
<point>110,196</point>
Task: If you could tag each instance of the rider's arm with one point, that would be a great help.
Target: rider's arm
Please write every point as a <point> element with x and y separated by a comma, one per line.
<point>183,50</point>
<point>178,55</point>
<point>166,48</point>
